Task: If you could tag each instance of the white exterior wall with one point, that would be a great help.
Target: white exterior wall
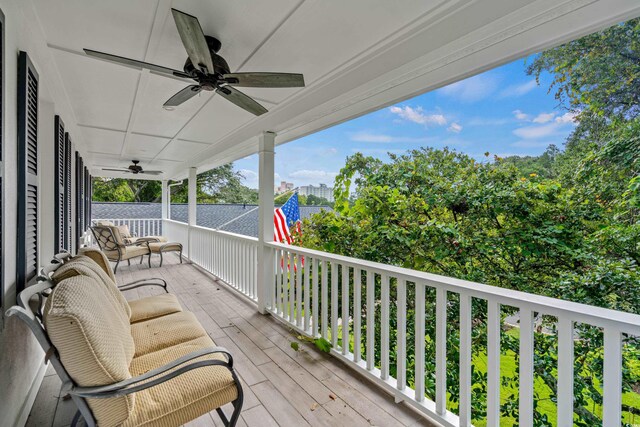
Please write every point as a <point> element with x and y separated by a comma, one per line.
<point>21,359</point>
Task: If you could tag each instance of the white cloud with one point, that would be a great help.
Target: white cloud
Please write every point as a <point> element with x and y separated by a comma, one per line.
<point>480,121</point>
<point>455,128</point>
<point>534,132</point>
<point>417,115</point>
<point>518,90</point>
<point>472,89</point>
<point>544,117</point>
<point>314,175</point>
<point>382,138</point>
<point>567,118</point>
<point>520,115</point>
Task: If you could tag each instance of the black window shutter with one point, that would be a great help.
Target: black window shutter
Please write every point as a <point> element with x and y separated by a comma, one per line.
<point>27,245</point>
<point>59,184</point>
<point>1,161</point>
<point>67,192</point>
<point>79,199</point>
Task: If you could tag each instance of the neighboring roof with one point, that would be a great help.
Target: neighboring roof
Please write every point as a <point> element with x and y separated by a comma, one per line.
<point>208,215</point>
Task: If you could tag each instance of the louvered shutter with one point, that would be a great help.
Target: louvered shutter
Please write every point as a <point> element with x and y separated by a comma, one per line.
<point>87,197</point>
<point>1,160</point>
<point>67,192</point>
<point>79,199</point>
<point>59,185</point>
<point>27,245</point>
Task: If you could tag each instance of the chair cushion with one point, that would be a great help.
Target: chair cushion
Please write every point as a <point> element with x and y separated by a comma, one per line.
<point>154,306</point>
<point>85,266</point>
<point>93,341</point>
<point>128,252</point>
<point>172,329</point>
<point>185,397</point>
<point>155,247</point>
<point>99,258</point>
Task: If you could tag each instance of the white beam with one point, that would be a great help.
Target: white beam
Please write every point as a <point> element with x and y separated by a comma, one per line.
<point>266,146</point>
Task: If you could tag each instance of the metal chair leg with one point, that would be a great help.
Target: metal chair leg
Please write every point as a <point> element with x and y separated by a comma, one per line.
<point>141,258</point>
<point>115,269</point>
<point>161,259</point>
<point>129,262</point>
<point>180,256</point>
<point>150,260</point>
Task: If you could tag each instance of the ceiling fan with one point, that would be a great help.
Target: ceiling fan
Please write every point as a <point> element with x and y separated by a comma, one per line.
<point>135,169</point>
<point>210,71</point>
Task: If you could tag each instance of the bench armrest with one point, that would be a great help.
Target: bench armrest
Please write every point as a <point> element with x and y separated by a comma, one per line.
<point>144,282</point>
<point>162,373</point>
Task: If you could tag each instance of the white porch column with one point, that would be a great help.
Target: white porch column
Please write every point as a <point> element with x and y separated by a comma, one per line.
<point>165,199</point>
<point>265,218</point>
<point>192,206</point>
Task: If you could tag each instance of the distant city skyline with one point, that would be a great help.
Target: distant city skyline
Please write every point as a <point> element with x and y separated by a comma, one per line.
<point>502,111</point>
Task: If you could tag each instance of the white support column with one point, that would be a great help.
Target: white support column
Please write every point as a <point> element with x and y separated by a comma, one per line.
<point>193,175</point>
<point>265,218</point>
<point>165,199</point>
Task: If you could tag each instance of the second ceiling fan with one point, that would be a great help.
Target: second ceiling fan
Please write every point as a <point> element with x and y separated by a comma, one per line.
<point>210,71</point>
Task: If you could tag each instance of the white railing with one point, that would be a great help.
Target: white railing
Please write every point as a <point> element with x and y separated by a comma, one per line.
<point>176,231</point>
<point>231,257</point>
<point>138,226</point>
<point>318,294</point>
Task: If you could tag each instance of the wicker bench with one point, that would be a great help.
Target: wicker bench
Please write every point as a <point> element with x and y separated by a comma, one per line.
<point>144,362</point>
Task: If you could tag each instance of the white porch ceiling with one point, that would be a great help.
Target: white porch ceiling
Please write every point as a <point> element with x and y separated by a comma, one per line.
<point>356,56</point>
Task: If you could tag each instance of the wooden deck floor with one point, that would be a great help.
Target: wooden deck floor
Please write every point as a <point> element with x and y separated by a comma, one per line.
<point>281,387</point>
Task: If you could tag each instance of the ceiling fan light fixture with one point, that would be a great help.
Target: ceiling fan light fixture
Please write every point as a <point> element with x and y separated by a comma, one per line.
<point>168,107</point>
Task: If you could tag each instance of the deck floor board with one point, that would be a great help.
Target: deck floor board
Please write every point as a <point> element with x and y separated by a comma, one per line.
<point>281,387</point>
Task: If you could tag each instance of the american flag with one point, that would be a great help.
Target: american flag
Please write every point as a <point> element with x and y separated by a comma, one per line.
<point>286,217</point>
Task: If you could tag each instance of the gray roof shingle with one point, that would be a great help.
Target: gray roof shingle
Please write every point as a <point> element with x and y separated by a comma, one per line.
<point>208,215</point>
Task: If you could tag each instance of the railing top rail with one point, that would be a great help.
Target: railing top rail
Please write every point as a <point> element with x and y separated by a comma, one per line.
<point>172,221</point>
<point>597,316</point>
<point>227,234</point>
<point>126,219</point>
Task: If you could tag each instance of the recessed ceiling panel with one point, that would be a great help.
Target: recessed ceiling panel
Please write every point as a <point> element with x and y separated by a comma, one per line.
<point>101,93</point>
<point>323,35</point>
<point>153,119</point>
<point>181,150</point>
<point>120,27</point>
<point>143,146</point>
<point>102,140</point>
<point>215,120</point>
<point>241,26</point>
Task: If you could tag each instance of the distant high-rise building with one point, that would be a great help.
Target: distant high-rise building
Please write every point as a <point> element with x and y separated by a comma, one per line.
<point>284,187</point>
<point>321,191</point>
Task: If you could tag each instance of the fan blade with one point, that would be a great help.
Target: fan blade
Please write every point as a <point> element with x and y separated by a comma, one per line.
<point>152,172</point>
<point>264,79</point>
<point>184,95</point>
<point>193,40</point>
<point>116,170</point>
<point>241,100</point>
<point>135,64</point>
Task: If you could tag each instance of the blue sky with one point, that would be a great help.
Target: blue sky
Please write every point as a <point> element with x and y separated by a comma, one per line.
<point>502,111</point>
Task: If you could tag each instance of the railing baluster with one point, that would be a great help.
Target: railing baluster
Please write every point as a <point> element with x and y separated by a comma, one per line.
<point>291,287</point>
<point>384,326</point>
<point>283,283</point>
<point>307,296</point>
<point>298,271</point>
<point>345,309</point>
<point>419,344</point>
<point>493,364</point>
<point>325,300</point>
<point>465,360</point>
<point>334,304</point>
<point>357,310</point>
<point>565,372</point>
<point>402,335</point>
<point>526,368</point>
<point>314,293</point>
<point>441,351</point>
<point>371,316</point>
<point>612,375</point>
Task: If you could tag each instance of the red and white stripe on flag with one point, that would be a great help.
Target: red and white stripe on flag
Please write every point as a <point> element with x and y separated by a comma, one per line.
<point>281,229</point>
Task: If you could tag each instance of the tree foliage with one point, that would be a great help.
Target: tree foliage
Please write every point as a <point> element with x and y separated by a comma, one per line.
<point>564,224</point>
